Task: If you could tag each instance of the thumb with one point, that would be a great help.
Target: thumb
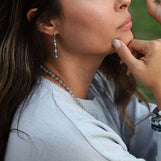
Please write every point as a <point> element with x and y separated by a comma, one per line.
<point>125,54</point>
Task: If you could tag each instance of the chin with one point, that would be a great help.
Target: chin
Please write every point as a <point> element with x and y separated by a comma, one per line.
<point>127,37</point>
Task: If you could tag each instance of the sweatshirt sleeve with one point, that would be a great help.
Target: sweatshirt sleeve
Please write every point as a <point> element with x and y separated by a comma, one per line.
<point>146,142</point>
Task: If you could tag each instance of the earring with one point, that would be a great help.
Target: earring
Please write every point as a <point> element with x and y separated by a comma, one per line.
<point>56,51</point>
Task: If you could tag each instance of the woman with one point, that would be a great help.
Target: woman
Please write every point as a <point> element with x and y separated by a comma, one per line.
<point>64,89</point>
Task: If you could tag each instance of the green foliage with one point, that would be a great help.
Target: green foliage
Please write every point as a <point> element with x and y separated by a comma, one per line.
<point>146,28</point>
<point>147,93</point>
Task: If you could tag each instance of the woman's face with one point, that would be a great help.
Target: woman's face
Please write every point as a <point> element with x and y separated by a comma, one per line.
<point>90,25</point>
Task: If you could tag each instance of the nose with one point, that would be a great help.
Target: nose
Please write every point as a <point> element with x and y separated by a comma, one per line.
<point>121,5</point>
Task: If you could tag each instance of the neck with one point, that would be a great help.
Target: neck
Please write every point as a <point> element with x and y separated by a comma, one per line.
<point>77,72</point>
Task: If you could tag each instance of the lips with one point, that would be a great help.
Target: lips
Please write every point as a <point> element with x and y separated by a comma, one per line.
<point>127,24</point>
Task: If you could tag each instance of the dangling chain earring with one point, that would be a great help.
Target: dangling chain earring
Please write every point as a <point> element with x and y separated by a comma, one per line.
<point>56,51</point>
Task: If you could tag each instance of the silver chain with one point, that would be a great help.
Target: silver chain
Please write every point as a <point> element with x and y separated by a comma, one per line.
<point>63,84</point>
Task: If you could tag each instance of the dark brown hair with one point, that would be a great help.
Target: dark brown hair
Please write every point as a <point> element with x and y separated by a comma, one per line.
<point>125,87</point>
<point>22,52</point>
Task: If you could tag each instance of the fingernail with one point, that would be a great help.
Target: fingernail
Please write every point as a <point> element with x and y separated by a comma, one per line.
<point>116,43</point>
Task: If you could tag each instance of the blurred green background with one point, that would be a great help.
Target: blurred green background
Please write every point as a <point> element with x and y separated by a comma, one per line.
<point>145,28</point>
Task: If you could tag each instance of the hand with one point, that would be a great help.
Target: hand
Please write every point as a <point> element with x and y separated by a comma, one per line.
<point>147,69</point>
<point>154,9</point>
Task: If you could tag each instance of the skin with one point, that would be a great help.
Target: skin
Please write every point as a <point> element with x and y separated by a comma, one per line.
<point>154,9</point>
<point>147,69</point>
<point>84,39</point>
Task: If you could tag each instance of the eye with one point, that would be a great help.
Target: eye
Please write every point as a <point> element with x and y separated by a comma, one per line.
<point>123,6</point>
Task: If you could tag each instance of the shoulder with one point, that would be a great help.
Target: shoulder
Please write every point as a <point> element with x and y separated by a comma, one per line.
<point>36,111</point>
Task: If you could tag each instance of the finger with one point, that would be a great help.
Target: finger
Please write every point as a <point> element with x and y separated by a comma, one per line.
<point>139,46</point>
<point>151,2</point>
<point>125,54</point>
<point>151,5</point>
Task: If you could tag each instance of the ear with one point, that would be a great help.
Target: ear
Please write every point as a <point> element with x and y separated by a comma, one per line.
<point>48,28</point>
<point>31,13</point>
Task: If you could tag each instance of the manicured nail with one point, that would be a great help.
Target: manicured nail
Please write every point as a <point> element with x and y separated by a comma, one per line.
<point>116,43</point>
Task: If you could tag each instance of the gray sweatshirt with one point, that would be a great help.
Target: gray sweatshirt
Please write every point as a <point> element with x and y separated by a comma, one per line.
<point>60,130</point>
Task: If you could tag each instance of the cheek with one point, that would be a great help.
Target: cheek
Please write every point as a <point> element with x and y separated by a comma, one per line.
<point>92,33</point>
<point>125,36</point>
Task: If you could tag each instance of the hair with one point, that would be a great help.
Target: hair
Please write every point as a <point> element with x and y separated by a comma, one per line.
<point>22,52</point>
